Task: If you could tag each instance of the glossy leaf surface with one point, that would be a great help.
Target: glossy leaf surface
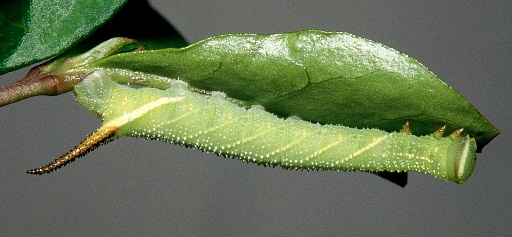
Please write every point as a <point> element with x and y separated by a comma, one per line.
<point>324,77</point>
<point>33,30</point>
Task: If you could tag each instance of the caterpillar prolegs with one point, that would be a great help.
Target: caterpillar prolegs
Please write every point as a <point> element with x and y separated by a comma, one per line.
<point>215,124</point>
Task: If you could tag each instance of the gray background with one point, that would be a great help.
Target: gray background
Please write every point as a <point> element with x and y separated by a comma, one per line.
<point>138,187</point>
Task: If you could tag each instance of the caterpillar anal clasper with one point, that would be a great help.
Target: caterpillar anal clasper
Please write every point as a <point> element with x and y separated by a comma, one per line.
<point>214,124</point>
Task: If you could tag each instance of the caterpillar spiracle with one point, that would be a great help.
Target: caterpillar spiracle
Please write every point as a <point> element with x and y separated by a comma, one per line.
<point>215,124</point>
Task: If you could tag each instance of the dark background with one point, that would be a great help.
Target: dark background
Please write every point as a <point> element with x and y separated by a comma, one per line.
<point>138,187</point>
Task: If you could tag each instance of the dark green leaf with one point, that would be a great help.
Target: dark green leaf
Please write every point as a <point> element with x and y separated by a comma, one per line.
<point>53,78</point>
<point>33,30</point>
<point>149,28</point>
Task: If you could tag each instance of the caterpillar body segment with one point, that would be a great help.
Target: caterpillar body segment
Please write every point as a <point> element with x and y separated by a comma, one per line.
<point>214,124</point>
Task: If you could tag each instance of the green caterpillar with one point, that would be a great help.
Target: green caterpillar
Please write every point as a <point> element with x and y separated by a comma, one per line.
<point>213,123</point>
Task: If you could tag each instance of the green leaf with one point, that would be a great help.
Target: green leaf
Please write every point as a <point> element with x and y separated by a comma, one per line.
<point>52,78</point>
<point>33,30</point>
<point>324,77</point>
<point>126,25</point>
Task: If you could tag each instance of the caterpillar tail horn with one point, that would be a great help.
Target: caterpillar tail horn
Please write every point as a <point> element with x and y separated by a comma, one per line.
<point>101,136</point>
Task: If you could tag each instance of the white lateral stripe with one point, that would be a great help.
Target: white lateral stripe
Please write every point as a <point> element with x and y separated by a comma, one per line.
<point>325,148</point>
<point>369,146</point>
<point>141,111</point>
